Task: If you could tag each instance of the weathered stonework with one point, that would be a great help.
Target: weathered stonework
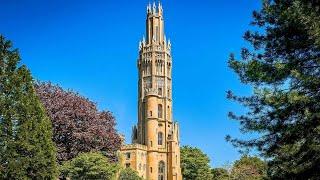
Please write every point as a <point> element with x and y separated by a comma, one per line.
<point>155,152</point>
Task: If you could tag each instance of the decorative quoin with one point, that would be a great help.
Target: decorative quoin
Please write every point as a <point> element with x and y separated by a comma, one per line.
<point>155,149</point>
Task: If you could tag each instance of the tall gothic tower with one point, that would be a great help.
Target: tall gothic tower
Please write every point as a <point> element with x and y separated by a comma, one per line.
<point>155,152</point>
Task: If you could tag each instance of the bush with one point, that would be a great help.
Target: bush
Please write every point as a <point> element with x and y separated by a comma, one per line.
<point>89,166</point>
<point>129,174</point>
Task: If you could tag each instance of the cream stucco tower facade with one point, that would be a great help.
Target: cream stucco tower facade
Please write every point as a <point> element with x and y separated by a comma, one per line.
<point>155,149</point>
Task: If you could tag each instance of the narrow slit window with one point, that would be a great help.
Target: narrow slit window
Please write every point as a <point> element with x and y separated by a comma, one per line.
<point>160,110</point>
<point>157,33</point>
<point>160,91</point>
<point>160,138</point>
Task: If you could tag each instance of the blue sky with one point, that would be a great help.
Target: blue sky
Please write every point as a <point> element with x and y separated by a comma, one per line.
<point>92,47</point>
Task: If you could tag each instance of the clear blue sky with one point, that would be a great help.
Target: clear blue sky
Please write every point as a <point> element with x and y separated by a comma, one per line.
<point>91,46</point>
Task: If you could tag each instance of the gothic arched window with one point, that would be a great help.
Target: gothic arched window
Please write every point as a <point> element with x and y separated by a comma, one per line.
<point>160,109</point>
<point>160,138</point>
<point>162,170</point>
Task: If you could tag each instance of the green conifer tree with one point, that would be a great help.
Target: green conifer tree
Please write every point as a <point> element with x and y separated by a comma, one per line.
<point>26,148</point>
<point>283,66</point>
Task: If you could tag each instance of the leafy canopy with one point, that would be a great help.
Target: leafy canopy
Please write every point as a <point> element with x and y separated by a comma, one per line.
<point>249,168</point>
<point>89,166</point>
<point>195,164</point>
<point>129,174</point>
<point>220,174</point>
<point>78,126</point>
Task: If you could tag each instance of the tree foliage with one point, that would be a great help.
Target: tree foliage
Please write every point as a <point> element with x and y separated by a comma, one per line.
<point>26,148</point>
<point>77,124</point>
<point>220,174</point>
<point>249,168</point>
<point>283,66</point>
<point>129,174</point>
<point>195,164</point>
<point>91,165</point>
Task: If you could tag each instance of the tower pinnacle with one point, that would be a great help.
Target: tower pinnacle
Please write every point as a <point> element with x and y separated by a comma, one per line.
<point>154,8</point>
<point>160,7</point>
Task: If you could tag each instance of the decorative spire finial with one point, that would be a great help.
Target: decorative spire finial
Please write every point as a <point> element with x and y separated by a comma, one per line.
<point>160,6</point>
<point>154,8</point>
<point>149,9</point>
<point>140,45</point>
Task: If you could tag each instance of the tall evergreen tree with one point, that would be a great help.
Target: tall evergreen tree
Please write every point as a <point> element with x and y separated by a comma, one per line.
<point>283,66</point>
<point>26,148</point>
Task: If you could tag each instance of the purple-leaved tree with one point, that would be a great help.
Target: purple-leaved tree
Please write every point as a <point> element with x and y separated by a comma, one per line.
<point>78,126</point>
